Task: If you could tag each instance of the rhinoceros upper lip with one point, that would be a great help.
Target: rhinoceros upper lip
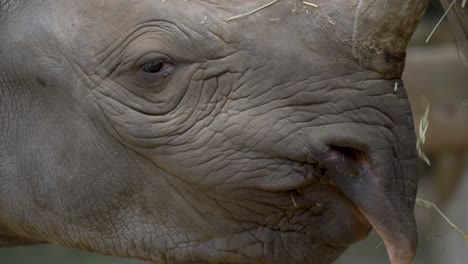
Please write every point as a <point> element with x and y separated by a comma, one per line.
<point>350,171</point>
<point>353,176</point>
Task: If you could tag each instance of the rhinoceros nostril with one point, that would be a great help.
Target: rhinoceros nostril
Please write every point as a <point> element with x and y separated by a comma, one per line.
<point>352,153</point>
<point>357,157</point>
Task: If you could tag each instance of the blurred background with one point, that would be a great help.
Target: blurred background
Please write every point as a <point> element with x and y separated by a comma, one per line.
<point>437,74</point>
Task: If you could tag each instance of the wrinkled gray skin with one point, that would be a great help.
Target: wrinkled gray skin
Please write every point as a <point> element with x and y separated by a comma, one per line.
<point>159,130</point>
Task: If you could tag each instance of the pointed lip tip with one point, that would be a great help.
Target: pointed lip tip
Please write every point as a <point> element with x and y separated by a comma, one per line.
<point>401,248</point>
<point>405,258</point>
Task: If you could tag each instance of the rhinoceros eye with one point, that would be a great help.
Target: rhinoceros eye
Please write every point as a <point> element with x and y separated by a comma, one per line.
<point>156,68</point>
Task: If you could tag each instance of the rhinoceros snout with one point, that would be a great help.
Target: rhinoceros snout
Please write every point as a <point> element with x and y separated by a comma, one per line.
<point>378,197</point>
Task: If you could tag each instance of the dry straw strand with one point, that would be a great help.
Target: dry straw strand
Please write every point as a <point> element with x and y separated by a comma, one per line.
<point>253,11</point>
<point>311,4</point>
<point>423,125</point>
<point>442,18</point>
<point>294,201</point>
<point>427,204</point>
<point>464,3</point>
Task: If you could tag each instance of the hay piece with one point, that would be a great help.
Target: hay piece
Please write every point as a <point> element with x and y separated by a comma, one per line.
<point>423,125</point>
<point>309,4</point>
<point>294,201</point>
<point>464,3</point>
<point>253,11</point>
<point>442,18</point>
<point>428,205</point>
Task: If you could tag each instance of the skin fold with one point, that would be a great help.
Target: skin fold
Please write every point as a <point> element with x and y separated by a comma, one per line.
<point>163,131</point>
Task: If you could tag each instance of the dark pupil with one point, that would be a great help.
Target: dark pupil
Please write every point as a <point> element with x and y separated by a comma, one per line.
<point>153,67</point>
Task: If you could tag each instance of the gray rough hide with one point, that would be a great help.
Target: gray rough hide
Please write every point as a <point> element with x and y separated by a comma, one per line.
<point>160,130</point>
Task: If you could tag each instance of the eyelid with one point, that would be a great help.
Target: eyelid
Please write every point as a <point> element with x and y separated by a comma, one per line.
<point>151,78</point>
<point>163,66</point>
<point>152,57</point>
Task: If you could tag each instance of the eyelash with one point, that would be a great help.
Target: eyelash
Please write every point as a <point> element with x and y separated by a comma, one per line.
<point>159,65</point>
<point>155,70</point>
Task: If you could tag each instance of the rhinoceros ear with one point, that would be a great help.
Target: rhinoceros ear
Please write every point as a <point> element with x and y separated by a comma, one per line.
<point>458,17</point>
<point>381,30</point>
